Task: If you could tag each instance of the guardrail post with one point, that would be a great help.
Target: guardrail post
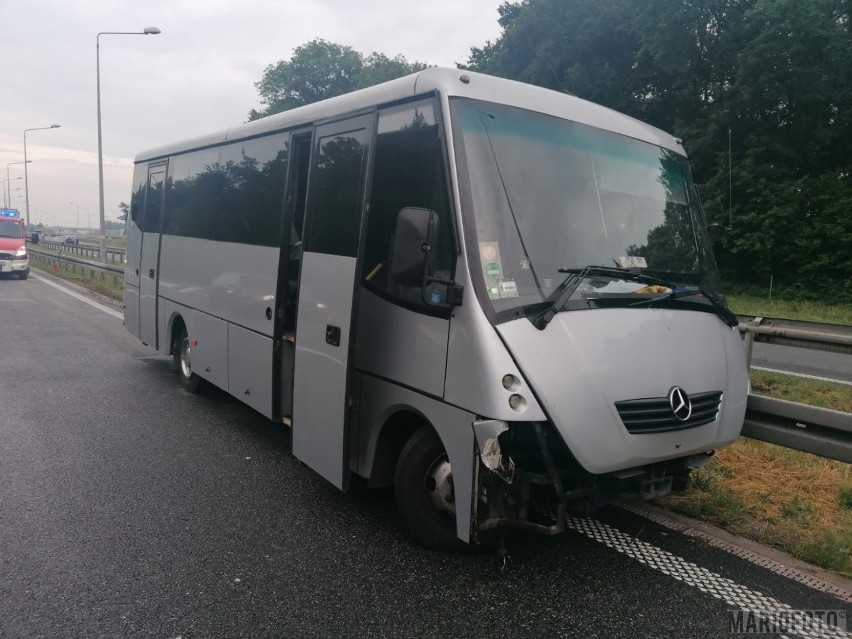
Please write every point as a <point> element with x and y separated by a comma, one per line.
<point>749,341</point>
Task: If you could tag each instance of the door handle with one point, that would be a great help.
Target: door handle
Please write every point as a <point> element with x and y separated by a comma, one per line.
<point>151,273</point>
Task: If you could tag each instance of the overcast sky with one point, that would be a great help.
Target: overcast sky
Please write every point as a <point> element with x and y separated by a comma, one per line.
<point>196,77</point>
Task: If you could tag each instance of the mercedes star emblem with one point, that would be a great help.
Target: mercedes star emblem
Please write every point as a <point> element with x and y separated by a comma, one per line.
<point>679,401</point>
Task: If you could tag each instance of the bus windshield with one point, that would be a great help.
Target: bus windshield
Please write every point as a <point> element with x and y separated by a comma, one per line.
<point>550,196</point>
<point>11,229</point>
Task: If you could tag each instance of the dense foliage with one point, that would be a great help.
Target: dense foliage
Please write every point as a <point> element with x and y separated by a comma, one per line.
<point>319,70</point>
<point>773,77</point>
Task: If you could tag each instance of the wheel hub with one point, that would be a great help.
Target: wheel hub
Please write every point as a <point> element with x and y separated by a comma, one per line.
<point>185,359</point>
<point>439,486</point>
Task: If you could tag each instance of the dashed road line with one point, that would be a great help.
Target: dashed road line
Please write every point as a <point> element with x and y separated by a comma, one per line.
<point>778,567</point>
<point>711,583</point>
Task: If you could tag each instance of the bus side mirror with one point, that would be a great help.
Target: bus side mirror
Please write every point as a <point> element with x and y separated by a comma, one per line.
<point>411,254</point>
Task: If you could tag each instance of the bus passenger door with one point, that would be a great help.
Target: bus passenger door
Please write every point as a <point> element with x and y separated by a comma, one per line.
<point>135,224</point>
<point>150,254</point>
<point>328,287</point>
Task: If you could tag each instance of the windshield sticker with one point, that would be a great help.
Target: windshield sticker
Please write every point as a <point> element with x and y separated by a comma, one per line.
<point>631,261</point>
<point>489,251</point>
<point>493,270</point>
<point>508,288</point>
<point>492,266</point>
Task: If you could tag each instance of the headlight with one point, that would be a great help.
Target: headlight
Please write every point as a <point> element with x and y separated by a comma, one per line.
<point>21,253</point>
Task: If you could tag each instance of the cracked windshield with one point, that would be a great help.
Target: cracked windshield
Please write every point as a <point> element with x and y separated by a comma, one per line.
<point>550,196</point>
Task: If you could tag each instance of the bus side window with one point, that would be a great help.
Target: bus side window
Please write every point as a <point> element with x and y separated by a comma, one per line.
<point>137,197</point>
<point>408,171</point>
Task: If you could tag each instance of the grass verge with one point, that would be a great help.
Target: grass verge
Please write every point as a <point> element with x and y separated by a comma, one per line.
<point>106,285</point>
<point>747,304</point>
<point>794,501</point>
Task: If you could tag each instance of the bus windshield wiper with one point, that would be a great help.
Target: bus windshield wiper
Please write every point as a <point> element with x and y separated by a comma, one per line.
<point>576,276</point>
<point>720,309</point>
<point>561,295</point>
<point>622,274</point>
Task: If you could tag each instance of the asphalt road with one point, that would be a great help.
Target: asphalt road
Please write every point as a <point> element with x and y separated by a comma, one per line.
<point>834,366</point>
<point>129,508</point>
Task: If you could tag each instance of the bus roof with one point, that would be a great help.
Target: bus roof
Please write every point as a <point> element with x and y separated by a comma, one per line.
<point>447,82</point>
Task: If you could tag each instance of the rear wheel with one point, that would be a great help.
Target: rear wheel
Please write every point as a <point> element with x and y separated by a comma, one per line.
<point>424,492</point>
<point>182,363</point>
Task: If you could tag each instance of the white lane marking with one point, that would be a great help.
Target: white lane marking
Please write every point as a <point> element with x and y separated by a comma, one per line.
<point>802,375</point>
<point>651,513</point>
<point>691,574</point>
<point>82,298</point>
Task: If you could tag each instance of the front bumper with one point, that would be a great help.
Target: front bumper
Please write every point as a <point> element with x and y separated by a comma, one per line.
<point>14,266</point>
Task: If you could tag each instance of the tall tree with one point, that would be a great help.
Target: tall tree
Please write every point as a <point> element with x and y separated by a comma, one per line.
<point>319,70</point>
<point>760,91</point>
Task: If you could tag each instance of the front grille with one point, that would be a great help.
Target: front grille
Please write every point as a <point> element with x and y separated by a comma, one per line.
<point>655,415</point>
<point>6,256</point>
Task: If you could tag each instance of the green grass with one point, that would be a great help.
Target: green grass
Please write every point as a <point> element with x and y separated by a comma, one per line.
<point>104,285</point>
<point>802,391</point>
<point>749,304</point>
<point>794,501</point>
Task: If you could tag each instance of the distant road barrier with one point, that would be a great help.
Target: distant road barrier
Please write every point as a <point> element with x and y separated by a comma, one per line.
<point>105,270</point>
<point>114,254</point>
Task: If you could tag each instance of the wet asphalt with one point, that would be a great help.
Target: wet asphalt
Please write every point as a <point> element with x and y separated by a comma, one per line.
<point>130,508</point>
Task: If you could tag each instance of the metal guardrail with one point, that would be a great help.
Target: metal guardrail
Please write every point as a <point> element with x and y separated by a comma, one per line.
<point>114,254</point>
<point>820,431</point>
<point>834,338</point>
<point>95,267</point>
<point>823,432</point>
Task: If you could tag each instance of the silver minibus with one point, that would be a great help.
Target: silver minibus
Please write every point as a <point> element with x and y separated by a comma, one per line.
<point>498,299</point>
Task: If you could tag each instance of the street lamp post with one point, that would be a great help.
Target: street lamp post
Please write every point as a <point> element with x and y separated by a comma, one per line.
<point>7,190</point>
<point>7,177</point>
<point>77,229</point>
<point>145,31</point>
<point>26,182</point>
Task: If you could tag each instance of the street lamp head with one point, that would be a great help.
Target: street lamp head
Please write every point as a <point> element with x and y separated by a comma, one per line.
<point>151,31</point>
<point>54,126</point>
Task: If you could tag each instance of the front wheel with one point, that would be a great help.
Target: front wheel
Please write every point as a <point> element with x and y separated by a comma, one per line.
<point>182,363</point>
<point>424,492</point>
<point>24,274</point>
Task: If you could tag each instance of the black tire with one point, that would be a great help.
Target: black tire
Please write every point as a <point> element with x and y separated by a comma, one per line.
<point>416,495</point>
<point>24,275</point>
<point>182,363</point>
